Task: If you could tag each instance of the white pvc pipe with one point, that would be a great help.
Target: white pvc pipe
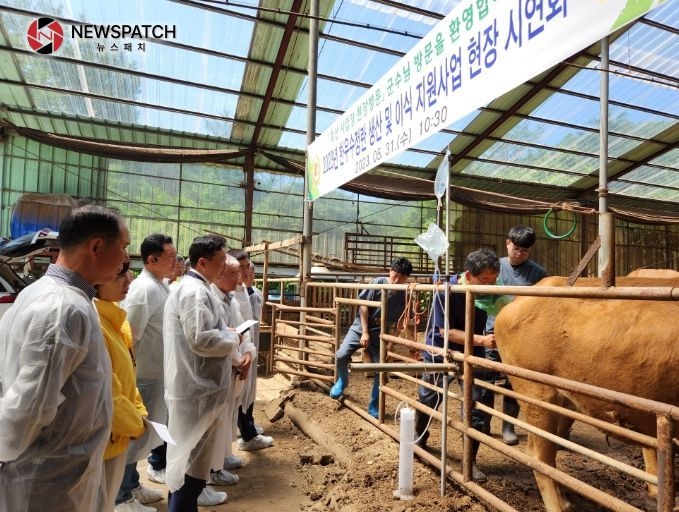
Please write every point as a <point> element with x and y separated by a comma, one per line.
<point>405,466</point>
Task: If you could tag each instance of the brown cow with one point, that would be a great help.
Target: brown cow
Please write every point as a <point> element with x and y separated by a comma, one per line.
<point>622,345</point>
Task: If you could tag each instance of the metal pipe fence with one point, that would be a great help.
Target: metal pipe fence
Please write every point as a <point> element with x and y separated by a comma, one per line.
<point>464,364</point>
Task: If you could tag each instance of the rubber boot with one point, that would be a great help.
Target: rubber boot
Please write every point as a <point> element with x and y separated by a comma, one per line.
<point>477,475</point>
<point>373,407</point>
<point>511,408</point>
<point>342,380</point>
<point>421,432</point>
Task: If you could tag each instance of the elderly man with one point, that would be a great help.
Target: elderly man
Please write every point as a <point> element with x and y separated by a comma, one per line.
<point>144,305</point>
<point>197,363</point>
<point>241,363</point>
<point>55,373</point>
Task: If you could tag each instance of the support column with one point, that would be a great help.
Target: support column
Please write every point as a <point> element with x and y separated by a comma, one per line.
<point>606,267</point>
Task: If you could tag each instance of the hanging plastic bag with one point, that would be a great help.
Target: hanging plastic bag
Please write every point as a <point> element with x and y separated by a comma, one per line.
<point>442,178</point>
<point>434,241</point>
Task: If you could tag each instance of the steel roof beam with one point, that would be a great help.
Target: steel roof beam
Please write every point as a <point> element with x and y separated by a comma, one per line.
<point>135,103</point>
<point>275,73</point>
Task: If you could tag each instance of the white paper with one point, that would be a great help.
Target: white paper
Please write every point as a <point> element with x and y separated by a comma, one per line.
<point>245,326</point>
<point>162,432</point>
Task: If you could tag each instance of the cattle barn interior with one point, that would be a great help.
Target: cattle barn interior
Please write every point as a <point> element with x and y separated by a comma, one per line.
<point>192,134</point>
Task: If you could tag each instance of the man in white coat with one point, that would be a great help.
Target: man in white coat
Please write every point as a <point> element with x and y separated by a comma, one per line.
<point>241,364</point>
<point>55,373</point>
<point>252,437</point>
<point>197,364</point>
<point>144,304</point>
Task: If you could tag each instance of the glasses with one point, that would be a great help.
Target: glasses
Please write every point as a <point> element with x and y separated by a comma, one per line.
<point>520,250</point>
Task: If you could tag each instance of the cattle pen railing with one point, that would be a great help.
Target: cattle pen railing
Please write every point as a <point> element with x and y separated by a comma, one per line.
<point>666,414</point>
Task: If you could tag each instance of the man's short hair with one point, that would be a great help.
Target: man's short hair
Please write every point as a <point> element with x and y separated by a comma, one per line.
<point>239,254</point>
<point>153,245</point>
<point>402,266</point>
<point>481,259</point>
<point>87,222</point>
<point>205,247</point>
<point>522,236</point>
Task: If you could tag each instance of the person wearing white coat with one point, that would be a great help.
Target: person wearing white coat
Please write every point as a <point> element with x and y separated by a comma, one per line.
<point>55,374</point>
<point>144,305</point>
<point>241,363</point>
<point>251,438</point>
<point>197,364</point>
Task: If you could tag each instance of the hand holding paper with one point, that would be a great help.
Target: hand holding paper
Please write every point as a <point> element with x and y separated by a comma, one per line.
<point>161,430</point>
<point>245,326</point>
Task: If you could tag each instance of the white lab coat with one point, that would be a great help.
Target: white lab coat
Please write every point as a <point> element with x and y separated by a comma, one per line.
<point>232,318</point>
<point>250,390</point>
<point>197,377</point>
<point>145,304</point>
<point>55,401</point>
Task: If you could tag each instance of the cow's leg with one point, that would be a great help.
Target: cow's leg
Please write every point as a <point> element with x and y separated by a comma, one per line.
<point>545,451</point>
<point>651,463</point>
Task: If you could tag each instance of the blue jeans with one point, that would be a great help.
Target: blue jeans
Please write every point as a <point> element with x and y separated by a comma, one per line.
<point>350,344</point>
<point>130,481</point>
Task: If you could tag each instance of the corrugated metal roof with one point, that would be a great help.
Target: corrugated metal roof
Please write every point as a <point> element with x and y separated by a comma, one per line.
<point>235,77</point>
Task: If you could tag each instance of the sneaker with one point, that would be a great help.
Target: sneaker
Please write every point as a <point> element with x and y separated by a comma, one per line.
<point>156,475</point>
<point>146,495</point>
<point>222,477</point>
<point>232,462</point>
<point>209,497</point>
<point>260,430</point>
<point>133,505</point>
<point>256,443</point>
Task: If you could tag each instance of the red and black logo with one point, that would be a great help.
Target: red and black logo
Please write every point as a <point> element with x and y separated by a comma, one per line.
<point>45,35</point>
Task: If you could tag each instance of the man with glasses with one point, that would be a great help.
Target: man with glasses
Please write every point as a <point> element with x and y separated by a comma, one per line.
<point>516,269</point>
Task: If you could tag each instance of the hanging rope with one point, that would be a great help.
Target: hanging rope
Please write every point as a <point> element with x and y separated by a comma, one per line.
<point>409,311</point>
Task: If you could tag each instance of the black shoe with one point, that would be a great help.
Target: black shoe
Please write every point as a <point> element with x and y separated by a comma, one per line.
<point>421,440</point>
<point>478,475</point>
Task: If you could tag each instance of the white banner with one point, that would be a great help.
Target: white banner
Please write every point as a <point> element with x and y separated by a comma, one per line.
<point>478,52</point>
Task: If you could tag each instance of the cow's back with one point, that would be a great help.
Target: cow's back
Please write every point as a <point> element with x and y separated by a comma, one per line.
<point>631,346</point>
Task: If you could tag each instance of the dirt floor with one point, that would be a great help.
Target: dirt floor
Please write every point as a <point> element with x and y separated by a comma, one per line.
<point>296,474</point>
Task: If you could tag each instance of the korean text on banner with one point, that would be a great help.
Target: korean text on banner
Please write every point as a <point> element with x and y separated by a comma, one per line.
<point>481,50</point>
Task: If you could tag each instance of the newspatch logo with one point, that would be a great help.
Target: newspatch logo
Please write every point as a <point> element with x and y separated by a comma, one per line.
<point>45,35</point>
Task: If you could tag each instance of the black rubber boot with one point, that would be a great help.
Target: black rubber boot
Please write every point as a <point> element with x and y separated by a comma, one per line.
<point>477,475</point>
<point>421,433</point>
<point>511,408</point>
